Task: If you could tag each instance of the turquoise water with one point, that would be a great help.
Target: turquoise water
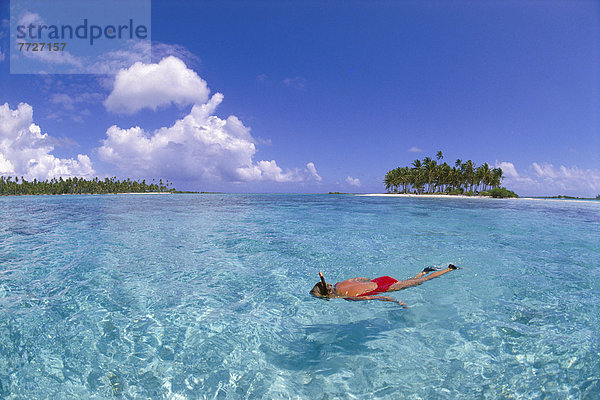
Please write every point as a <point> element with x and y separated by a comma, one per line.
<point>206,296</point>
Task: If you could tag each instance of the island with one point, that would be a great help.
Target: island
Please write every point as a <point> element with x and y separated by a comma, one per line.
<point>429,176</point>
<point>74,185</point>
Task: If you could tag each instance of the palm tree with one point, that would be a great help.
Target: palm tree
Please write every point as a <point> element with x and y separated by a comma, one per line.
<point>75,185</point>
<point>388,180</point>
<point>417,175</point>
<point>428,176</point>
<point>468,174</point>
<point>405,179</point>
<point>497,177</point>
<point>426,170</point>
<point>444,176</point>
<point>485,175</point>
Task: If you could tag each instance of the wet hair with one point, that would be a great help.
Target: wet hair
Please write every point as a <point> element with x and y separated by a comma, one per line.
<point>322,288</point>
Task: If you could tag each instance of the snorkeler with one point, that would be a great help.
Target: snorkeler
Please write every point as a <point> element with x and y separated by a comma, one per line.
<point>369,289</point>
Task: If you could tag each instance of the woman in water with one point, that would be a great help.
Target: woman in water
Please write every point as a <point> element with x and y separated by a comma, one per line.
<point>369,289</point>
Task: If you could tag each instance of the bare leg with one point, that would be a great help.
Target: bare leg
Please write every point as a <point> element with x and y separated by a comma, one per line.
<point>417,281</point>
<point>420,275</point>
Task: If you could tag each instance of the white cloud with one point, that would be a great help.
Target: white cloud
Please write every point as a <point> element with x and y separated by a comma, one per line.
<point>3,27</point>
<point>66,62</point>
<point>546,179</point>
<point>200,146</point>
<point>545,171</point>
<point>415,150</point>
<point>63,58</point>
<point>352,181</point>
<point>270,171</point>
<point>312,171</point>
<point>296,82</point>
<point>508,169</point>
<point>30,18</point>
<point>72,107</point>
<point>155,85</point>
<point>64,100</point>
<point>162,50</point>
<point>6,166</point>
<point>568,178</point>
<point>25,151</point>
<point>113,61</point>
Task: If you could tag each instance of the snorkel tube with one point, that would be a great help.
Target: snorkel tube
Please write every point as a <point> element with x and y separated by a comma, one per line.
<point>322,279</point>
<point>323,289</point>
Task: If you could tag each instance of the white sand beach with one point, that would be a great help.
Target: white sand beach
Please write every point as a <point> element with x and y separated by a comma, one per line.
<point>447,196</point>
<point>424,196</point>
<point>146,193</point>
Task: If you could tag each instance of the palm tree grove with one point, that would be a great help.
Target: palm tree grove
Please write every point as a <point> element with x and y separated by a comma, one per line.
<point>74,185</point>
<point>429,176</point>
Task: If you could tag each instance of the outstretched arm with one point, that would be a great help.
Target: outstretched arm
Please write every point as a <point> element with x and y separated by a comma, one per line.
<point>380,298</point>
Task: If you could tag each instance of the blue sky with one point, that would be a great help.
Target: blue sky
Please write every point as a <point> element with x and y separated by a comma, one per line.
<point>352,88</point>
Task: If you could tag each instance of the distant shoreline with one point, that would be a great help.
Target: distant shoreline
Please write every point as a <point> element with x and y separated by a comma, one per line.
<point>437,196</point>
<point>452,196</point>
<point>140,193</point>
<point>82,194</point>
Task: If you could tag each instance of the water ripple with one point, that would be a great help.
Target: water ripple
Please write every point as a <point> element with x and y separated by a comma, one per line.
<point>192,296</point>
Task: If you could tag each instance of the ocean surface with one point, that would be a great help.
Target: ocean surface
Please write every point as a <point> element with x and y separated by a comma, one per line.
<point>206,296</point>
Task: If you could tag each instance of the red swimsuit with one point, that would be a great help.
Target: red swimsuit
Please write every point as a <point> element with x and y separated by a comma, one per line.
<point>383,284</point>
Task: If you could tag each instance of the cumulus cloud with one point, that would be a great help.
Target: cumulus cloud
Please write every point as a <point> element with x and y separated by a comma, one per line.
<point>200,146</point>
<point>547,171</point>
<point>568,178</point>
<point>546,179</point>
<point>312,172</point>
<point>415,150</point>
<point>26,151</point>
<point>154,85</point>
<point>352,181</point>
<point>508,169</point>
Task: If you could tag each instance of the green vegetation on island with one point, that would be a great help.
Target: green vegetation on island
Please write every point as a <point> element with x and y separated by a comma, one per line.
<point>564,197</point>
<point>8,186</point>
<point>427,176</point>
<point>499,193</point>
